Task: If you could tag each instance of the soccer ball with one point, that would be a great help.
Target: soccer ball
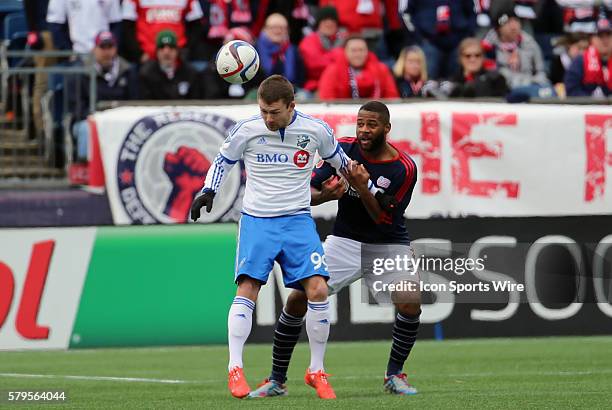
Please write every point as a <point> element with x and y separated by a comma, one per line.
<point>237,62</point>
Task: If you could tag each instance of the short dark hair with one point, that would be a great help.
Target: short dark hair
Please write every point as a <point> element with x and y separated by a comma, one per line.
<point>355,37</point>
<point>274,88</point>
<point>379,108</point>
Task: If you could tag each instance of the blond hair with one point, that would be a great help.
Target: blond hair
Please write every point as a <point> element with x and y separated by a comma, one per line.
<point>400,64</point>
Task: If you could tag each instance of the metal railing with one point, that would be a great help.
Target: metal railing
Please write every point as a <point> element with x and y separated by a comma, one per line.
<point>35,135</point>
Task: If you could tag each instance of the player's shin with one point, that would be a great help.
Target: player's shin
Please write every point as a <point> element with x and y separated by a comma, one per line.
<point>317,327</point>
<point>239,324</point>
<point>405,332</point>
<point>286,335</point>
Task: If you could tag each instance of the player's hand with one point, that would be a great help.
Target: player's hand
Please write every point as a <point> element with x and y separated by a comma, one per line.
<point>387,202</point>
<point>333,188</point>
<point>358,177</point>
<point>205,199</point>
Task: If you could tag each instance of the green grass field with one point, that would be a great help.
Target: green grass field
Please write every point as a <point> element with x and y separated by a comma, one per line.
<point>560,372</point>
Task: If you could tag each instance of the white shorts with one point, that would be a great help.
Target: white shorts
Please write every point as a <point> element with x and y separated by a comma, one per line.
<point>344,261</point>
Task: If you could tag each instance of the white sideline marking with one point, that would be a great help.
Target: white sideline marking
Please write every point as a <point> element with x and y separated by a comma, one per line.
<point>97,378</point>
<point>365,376</point>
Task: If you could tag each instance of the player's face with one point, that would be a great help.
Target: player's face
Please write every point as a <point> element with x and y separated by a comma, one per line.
<point>276,115</point>
<point>371,132</point>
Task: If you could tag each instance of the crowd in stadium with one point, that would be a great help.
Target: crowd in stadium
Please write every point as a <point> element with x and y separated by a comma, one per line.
<point>512,49</point>
<point>338,49</point>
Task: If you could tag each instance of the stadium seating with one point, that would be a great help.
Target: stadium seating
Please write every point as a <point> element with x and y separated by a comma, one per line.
<point>15,33</point>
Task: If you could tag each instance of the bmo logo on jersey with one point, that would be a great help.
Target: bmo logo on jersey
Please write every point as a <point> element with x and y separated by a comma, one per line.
<point>272,158</point>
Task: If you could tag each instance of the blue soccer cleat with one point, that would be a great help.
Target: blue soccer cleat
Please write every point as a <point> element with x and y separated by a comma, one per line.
<point>268,388</point>
<point>398,384</point>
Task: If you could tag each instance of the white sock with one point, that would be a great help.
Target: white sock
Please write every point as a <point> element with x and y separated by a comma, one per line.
<point>317,327</point>
<point>239,321</point>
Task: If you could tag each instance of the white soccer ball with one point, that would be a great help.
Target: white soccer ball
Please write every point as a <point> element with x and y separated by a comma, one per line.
<point>237,62</point>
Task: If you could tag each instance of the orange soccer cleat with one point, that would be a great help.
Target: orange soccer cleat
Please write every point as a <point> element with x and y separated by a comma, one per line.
<point>318,380</point>
<point>237,384</point>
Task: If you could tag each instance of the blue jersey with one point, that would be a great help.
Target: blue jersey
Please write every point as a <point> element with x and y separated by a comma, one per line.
<point>395,177</point>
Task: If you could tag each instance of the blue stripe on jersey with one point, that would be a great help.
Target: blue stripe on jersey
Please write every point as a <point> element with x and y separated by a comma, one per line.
<point>217,173</point>
<point>226,159</point>
<point>241,123</point>
<point>334,154</point>
<point>330,132</point>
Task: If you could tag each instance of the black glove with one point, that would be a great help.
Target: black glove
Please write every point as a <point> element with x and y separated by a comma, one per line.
<point>387,202</point>
<point>205,199</point>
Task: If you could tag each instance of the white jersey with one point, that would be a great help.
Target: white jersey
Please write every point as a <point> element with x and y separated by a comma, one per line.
<point>85,18</point>
<point>278,163</point>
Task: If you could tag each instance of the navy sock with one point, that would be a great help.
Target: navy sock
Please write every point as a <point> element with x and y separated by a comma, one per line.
<point>404,335</point>
<point>286,335</point>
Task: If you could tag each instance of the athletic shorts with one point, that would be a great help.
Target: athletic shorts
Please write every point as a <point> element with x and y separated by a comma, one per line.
<point>345,263</point>
<point>292,241</point>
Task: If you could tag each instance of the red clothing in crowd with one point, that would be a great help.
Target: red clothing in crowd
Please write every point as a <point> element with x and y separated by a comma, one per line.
<point>316,58</point>
<point>369,17</point>
<point>373,81</point>
<point>162,15</point>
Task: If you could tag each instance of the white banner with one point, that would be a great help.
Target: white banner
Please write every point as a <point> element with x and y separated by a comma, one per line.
<point>477,159</point>
<point>42,272</point>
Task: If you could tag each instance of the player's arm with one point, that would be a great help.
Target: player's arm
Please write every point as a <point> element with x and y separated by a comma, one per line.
<point>233,147</point>
<point>325,185</point>
<point>331,189</point>
<point>334,155</point>
<point>378,205</point>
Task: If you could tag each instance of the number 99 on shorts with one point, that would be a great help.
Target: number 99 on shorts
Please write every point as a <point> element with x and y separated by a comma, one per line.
<point>318,260</point>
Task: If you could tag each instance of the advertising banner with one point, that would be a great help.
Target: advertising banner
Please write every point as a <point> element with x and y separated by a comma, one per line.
<point>157,286</point>
<point>171,285</point>
<point>473,158</point>
<point>115,286</point>
<point>498,277</point>
<point>41,277</point>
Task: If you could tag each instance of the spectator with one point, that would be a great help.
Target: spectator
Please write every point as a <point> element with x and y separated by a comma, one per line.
<point>39,38</point>
<point>220,16</point>
<point>483,19</point>
<point>316,48</point>
<point>115,80</point>
<point>525,10</point>
<point>590,74</point>
<point>216,87</point>
<point>295,11</point>
<point>168,77</point>
<point>365,18</point>
<point>473,80</point>
<point>277,55</point>
<point>439,26</point>
<point>580,16</point>
<point>143,20</point>
<point>75,24</point>
<point>410,72</point>
<point>518,58</point>
<point>356,73</point>
<point>571,46</point>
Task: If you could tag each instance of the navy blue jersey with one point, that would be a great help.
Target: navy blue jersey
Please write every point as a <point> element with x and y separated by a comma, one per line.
<point>396,177</point>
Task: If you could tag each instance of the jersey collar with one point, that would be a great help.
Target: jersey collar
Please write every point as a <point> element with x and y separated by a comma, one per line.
<point>282,130</point>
